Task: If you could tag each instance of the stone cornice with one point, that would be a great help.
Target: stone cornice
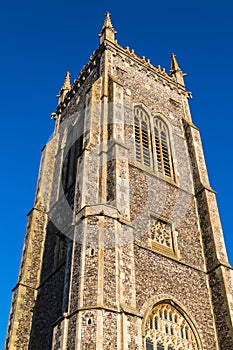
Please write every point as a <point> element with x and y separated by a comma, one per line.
<point>122,310</point>
<point>201,188</point>
<point>102,210</point>
<point>23,285</point>
<point>190,123</point>
<point>219,265</point>
<point>116,48</point>
<point>146,65</point>
<point>83,74</point>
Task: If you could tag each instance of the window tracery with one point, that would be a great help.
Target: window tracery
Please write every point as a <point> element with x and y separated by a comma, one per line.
<point>149,344</point>
<point>60,250</point>
<point>167,329</point>
<point>73,149</point>
<point>162,238</point>
<point>152,149</point>
<point>142,136</point>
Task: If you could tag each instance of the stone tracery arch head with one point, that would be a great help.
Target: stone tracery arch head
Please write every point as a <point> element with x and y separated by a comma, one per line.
<point>167,327</point>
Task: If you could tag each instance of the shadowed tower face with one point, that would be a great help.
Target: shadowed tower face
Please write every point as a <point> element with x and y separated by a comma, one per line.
<point>123,247</point>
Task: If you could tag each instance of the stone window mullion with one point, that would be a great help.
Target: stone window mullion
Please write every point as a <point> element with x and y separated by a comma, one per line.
<point>172,331</point>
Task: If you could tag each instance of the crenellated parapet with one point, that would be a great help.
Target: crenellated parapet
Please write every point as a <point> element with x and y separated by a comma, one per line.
<point>173,80</point>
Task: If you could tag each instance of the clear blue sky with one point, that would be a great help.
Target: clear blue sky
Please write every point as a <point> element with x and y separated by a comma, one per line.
<point>41,40</point>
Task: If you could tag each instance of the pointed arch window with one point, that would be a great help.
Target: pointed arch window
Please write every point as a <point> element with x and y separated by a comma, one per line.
<point>142,136</point>
<point>153,149</point>
<point>73,149</point>
<point>162,148</point>
<point>171,332</point>
<point>149,344</point>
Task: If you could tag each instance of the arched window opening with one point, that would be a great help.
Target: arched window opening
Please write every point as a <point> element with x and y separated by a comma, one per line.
<point>142,136</point>
<point>151,323</point>
<point>60,250</point>
<point>165,314</point>
<point>162,148</point>
<point>149,344</point>
<point>73,149</point>
<point>169,330</point>
<point>160,346</point>
<point>156,153</point>
<point>182,333</point>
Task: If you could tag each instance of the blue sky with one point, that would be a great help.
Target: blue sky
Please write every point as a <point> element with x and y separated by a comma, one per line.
<point>41,40</point>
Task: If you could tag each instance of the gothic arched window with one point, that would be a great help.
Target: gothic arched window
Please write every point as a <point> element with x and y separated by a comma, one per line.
<point>73,150</point>
<point>142,136</point>
<point>149,345</point>
<point>162,148</point>
<point>171,330</point>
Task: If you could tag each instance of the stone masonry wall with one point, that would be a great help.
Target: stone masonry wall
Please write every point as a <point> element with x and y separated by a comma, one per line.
<point>49,304</point>
<point>220,303</point>
<point>159,276</point>
<point>162,199</point>
<point>150,194</point>
<point>48,309</point>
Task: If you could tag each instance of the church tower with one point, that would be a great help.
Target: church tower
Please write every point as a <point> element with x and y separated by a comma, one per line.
<point>123,248</point>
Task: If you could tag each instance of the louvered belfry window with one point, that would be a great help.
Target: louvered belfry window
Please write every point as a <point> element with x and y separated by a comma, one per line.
<point>74,146</point>
<point>156,153</point>
<point>142,136</point>
<point>162,148</point>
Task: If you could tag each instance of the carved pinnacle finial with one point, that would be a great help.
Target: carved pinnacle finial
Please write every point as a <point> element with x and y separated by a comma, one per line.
<point>65,88</point>
<point>66,85</point>
<point>107,31</point>
<point>107,21</point>
<point>174,64</point>
<point>176,71</point>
